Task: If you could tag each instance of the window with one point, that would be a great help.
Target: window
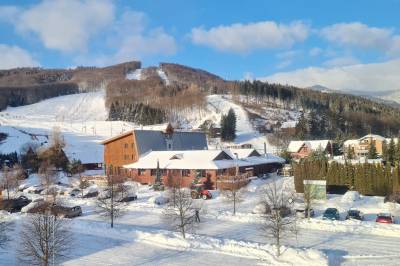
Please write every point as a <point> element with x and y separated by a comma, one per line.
<point>126,145</point>
<point>141,171</point>
<point>132,145</point>
<point>132,156</point>
<point>185,172</point>
<point>126,157</point>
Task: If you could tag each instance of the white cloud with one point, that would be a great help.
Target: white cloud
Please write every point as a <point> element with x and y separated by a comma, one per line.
<point>243,38</point>
<point>8,13</point>
<point>287,58</point>
<point>359,35</point>
<point>132,39</point>
<point>65,25</point>
<point>369,78</point>
<point>14,56</point>
<point>341,61</point>
<point>315,51</point>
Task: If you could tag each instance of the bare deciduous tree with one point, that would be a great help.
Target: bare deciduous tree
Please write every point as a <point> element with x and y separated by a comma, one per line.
<point>8,180</point>
<point>234,194</point>
<point>110,206</point>
<point>44,240</point>
<point>279,221</point>
<point>309,197</point>
<point>47,178</point>
<point>179,210</point>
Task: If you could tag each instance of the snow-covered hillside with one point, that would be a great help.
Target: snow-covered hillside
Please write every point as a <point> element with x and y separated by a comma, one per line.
<point>80,117</point>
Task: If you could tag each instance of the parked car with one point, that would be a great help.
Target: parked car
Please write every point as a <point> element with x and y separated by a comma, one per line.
<point>385,218</point>
<point>354,215</point>
<point>331,214</point>
<point>75,192</point>
<point>66,212</point>
<point>128,199</point>
<point>14,205</point>
<point>283,211</point>
<point>56,210</point>
<point>303,213</point>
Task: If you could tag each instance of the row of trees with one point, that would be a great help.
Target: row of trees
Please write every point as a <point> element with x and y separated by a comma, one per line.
<point>368,179</point>
<point>138,113</point>
<point>326,115</point>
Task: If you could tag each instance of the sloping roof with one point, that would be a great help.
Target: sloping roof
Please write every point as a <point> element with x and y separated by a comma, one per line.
<point>373,136</point>
<point>152,140</point>
<point>198,159</point>
<point>314,145</point>
<point>318,145</point>
<point>351,142</point>
<point>195,159</point>
<point>116,137</point>
<point>243,153</point>
<point>295,145</point>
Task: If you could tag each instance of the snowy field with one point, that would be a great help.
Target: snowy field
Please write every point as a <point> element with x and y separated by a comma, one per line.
<point>82,121</point>
<point>142,236</point>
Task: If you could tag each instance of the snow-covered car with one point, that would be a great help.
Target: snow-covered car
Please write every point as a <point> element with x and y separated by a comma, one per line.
<point>160,200</point>
<point>66,212</point>
<point>104,194</point>
<point>36,189</point>
<point>303,213</point>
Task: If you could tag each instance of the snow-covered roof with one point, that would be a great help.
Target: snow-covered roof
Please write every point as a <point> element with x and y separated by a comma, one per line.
<point>295,145</point>
<point>314,145</point>
<point>198,159</point>
<point>289,124</point>
<point>318,145</point>
<point>373,136</point>
<point>243,153</point>
<point>350,142</point>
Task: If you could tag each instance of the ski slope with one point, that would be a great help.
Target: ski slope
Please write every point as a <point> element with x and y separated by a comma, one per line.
<point>245,133</point>
<point>82,119</point>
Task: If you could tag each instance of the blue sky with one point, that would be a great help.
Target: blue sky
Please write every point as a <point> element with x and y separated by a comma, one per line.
<point>234,39</point>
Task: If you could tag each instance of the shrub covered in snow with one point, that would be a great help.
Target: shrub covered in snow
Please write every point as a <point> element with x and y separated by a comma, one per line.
<point>350,196</point>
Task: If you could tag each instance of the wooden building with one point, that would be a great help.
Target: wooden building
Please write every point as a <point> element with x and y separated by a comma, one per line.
<point>127,148</point>
<point>209,166</point>
<point>303,149</point>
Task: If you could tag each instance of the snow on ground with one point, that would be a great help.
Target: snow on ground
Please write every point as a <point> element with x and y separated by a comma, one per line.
<point>142,236</point>
<point>82,120</point>
<point>245,132</point>
<point>135,75</point>
<point>163,76</point>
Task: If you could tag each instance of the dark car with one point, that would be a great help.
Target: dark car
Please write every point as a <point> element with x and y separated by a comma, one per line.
<point>91,194</point>
<point>303,213</point>
<point>14,205</point>
<point>283,211</point>
<point>128,199</point>
<point>385,218</point>
<point>331,214</point>
<point>354,215</point>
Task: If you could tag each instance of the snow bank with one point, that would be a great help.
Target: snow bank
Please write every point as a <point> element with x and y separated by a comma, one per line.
<point>351,226</point>
<point>135,75</point>
<point>350,197</point>
<point>173,240</point>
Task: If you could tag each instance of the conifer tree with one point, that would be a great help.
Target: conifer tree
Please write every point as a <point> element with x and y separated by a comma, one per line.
<point>372,153</point>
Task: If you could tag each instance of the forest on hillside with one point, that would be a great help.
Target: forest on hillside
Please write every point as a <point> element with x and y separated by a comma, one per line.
<point>325,115</point>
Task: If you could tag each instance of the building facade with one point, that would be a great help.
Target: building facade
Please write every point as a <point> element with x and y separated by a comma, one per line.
<point>128,147</point>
